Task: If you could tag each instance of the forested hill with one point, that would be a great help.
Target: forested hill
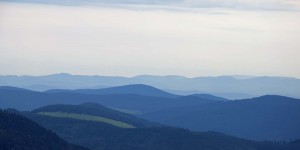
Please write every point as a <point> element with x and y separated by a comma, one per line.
<point>268,117</point>
<point>98,134</point>
<point>93,110</point>
<point>20,133</point>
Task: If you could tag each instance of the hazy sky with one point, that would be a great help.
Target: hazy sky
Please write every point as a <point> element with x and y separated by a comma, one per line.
<point>190,38</point>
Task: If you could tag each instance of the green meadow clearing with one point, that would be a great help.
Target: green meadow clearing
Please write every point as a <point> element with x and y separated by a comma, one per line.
<point>87,118</point>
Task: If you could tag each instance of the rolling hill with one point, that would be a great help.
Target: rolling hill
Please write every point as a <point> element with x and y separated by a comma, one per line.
<point>209,96</point>
<point>20,133</point>
<point>105,136</point>
<point>94,112</point>
<point>137,89</point>
<point>261,118</point>
<point>28,100</point>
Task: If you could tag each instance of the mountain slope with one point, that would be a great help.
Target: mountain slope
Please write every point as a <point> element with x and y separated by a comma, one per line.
<point>87,118</point>
<point>262,118</point>
<point>92,111</point>
<point>10,88</point>
<point>20,133</point>
<point>102,136</point>
<point>209,96</point>
<point>138,89</point>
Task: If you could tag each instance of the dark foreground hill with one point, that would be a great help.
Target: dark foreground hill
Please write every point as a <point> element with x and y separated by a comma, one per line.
<point>262,118</point>
<point>98,135</point>
<point>19,133</point>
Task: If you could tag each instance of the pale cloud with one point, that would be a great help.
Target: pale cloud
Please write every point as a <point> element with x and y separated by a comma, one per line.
<point>281,5</point>
<point>246,4</point>
<point>43,39</point>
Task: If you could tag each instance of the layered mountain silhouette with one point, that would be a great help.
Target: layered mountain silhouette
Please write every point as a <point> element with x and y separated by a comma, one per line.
<point>232,87</point>
<point>261,118</point>
<point>28,100</point>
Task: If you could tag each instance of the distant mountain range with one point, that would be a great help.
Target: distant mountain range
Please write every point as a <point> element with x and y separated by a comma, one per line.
<point>138,89</point>
<point>133,101</point>
<point>231,87</point>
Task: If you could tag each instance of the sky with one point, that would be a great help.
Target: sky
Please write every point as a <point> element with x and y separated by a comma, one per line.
<point>180,37</point>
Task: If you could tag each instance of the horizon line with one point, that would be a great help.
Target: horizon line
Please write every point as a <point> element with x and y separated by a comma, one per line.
<point>235,76</point>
